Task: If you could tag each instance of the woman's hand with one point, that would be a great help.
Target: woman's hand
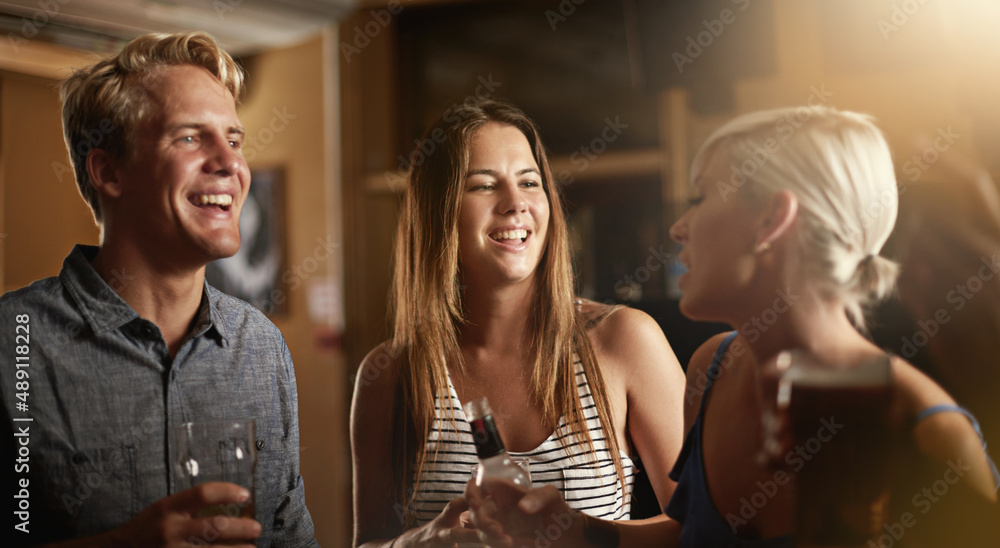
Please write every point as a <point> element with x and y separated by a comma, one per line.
<point>444,531</point>
<point>508,516</point>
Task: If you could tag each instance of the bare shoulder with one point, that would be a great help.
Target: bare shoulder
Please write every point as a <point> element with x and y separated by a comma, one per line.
<point>702,358</point>
<point>644,374</point>
<point>376,379</point>
<point>697,372</point>
<point>945,437</point>
<point>633,351</point>
<point>914,389</point>
<point>623,330</point>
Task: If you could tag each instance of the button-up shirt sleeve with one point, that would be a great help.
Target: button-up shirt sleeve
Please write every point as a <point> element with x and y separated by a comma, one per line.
<point>293,525</point>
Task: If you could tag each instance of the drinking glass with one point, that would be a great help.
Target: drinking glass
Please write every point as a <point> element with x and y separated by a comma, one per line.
<point>525,465</point>
<point>523,462</point>
<point>830,425</point>
<point>216,450</point>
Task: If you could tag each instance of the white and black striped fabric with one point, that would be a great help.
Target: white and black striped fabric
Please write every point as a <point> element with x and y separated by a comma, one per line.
<point>588,486</point>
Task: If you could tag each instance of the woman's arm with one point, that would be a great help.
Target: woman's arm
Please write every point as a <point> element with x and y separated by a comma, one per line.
<point>634,354</point>
<point>371,440</point>
<point>378,518</point>
<point>947,438</point>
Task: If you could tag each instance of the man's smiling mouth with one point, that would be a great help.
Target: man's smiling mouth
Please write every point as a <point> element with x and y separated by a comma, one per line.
<point>221,201</point>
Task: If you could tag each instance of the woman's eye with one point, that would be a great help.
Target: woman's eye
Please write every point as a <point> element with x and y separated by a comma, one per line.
<point>187,139</point>
<point>696,200</point>
<point>530,184</point>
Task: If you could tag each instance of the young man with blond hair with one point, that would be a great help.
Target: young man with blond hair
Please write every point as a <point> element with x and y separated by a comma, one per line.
<point>129,340</point>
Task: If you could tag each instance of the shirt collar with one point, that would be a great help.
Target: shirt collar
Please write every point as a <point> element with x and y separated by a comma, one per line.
<point>209,315</point>
<point>105,311</point>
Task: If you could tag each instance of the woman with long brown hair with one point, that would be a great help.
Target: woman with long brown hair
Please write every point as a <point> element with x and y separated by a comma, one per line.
<point>483,305</point>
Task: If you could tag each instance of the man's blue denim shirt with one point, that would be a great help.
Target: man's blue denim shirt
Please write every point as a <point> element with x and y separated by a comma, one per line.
<point>100,393</point>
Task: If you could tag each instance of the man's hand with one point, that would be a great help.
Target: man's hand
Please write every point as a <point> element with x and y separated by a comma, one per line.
<point>172,521</point>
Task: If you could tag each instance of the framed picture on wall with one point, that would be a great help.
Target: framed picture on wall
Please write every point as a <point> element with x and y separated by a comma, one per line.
<point>254,273</point>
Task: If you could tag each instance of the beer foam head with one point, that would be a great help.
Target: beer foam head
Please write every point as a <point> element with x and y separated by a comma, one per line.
<point>807,370</point>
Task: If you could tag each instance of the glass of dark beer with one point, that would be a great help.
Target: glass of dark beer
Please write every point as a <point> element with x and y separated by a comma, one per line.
<point>833,422</point>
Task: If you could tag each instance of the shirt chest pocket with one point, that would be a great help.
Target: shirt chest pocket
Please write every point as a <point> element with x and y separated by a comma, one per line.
<point>94,490</point>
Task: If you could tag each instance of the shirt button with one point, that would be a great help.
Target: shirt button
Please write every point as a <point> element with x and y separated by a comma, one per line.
<point>260,444</point>
<point>79,458</point>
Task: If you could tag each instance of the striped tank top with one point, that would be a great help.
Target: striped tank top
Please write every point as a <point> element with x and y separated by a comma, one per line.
<point>586,485</point>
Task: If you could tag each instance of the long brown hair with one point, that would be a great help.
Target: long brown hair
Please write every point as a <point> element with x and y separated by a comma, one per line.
<point>427,308</point>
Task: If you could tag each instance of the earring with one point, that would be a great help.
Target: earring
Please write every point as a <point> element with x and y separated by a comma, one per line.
<point>764,246</point>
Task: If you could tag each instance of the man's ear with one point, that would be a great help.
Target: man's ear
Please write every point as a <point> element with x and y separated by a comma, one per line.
<point>101,167</point>
<point>776,219</point>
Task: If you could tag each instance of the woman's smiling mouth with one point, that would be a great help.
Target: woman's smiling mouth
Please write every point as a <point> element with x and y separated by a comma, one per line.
<point>504,236</point>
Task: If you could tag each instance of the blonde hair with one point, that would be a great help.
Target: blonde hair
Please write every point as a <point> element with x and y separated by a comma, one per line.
<point>427,308</point>
<point>838,166</point>
<point>105,102</point>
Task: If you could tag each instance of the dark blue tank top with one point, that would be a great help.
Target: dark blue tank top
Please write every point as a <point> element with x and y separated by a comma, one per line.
<point>691,505</point>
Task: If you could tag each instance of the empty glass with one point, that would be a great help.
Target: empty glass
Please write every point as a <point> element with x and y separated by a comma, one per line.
<point>216,450</point>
